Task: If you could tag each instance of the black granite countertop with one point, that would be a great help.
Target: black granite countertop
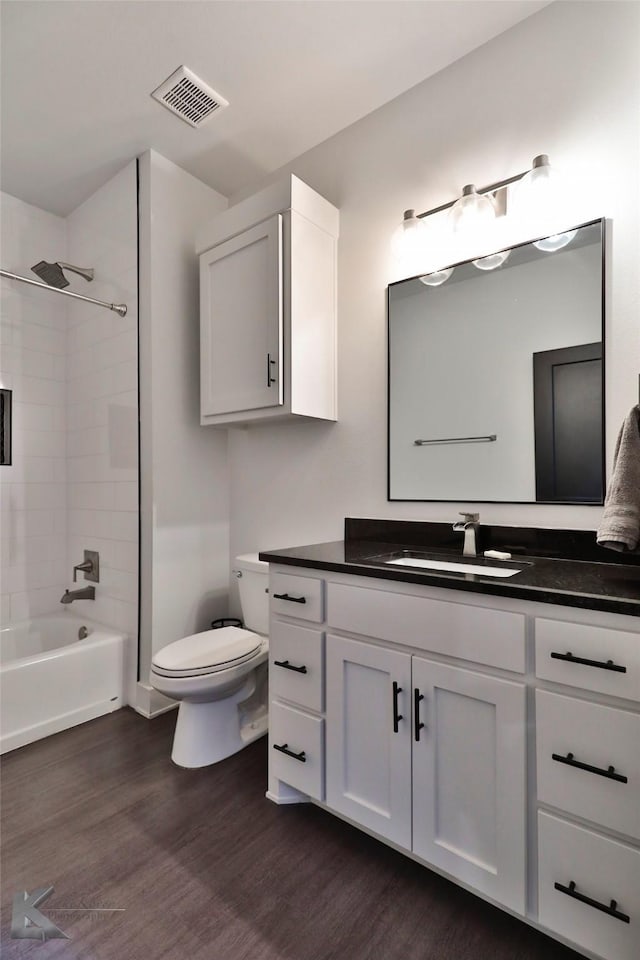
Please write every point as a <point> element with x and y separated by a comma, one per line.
<point>590,584</point>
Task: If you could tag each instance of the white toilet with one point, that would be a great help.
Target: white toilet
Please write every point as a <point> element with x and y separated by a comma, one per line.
<point>220,677</point>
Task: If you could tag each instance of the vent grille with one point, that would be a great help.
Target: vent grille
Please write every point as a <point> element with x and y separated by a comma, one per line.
<point>189,97</point>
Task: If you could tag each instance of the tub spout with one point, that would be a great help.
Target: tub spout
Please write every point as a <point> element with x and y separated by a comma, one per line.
<point>86,593</point>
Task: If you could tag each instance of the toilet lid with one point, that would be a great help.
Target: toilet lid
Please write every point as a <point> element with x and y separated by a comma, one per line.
<point>206,652</point>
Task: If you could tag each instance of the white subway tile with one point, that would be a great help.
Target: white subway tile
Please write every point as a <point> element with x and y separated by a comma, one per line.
<point>126,496</point>
<point>125,376</point>
<point>91,496</point>
<point>32,416</point>
<point>124,525</point>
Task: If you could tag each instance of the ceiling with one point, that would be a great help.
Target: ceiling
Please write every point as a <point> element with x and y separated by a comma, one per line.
<point>76,79</point>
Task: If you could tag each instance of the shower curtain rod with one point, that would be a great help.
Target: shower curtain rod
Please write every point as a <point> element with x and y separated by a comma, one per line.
<point>120,308</point>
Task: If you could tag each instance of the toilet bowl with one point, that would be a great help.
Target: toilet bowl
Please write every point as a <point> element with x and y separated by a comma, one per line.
<point>220,678</point>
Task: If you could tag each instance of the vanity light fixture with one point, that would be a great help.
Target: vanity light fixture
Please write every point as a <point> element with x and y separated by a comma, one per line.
<point>436,278</point>
<point>493,261</point>
<point>535,201</point>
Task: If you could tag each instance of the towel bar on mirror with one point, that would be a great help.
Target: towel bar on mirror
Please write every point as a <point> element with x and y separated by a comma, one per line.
<point>488,439</point>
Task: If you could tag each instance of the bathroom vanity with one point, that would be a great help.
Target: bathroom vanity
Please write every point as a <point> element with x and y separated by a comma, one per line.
<point>488,727</point>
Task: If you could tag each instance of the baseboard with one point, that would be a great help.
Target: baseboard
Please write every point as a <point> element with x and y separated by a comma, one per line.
<point>281,801</point>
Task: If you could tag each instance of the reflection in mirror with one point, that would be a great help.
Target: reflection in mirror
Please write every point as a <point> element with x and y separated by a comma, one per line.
<point>496,378</point>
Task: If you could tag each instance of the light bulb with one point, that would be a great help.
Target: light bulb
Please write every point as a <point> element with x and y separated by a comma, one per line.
<point>540,198</point>
<point>493,261</point>
<point>408,239</point>
<point>436,278</point>
<point>472,214</point>
<point>556,242</point>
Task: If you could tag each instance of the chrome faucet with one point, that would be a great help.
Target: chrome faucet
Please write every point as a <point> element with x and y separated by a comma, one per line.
<point>471,527</point>
<point>85,593</point>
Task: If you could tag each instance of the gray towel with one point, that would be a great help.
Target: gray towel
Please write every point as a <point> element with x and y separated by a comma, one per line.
<point>620,525</point>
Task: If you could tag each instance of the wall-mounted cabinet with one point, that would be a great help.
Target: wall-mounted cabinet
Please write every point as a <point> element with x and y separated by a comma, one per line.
<point>268,269</point>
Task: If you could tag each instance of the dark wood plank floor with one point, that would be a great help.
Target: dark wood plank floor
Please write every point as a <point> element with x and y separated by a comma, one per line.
<point>207,869</point>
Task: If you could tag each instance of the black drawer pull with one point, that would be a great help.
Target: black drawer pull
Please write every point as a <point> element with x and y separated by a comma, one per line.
<point>397,717</point>
<point>611,909</point>
<point>417,726</point>
<point>289,666</point>
<point>603,664</point>
<point>284,748</point>
<point>610,772</point>
<point>285,596</point>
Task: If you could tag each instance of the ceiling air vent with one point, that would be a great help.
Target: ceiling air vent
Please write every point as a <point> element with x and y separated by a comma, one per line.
<point>189,97</point>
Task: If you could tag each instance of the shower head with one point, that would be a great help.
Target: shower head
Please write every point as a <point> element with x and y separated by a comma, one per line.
<point>52,273</point>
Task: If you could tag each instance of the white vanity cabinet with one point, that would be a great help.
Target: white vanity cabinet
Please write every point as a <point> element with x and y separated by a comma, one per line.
<point>588,769</point>
<point>493,739</point>
<point>268,308</point>
<point>431,757</point>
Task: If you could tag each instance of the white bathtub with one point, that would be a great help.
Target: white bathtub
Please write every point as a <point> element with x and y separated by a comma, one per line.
<point>51,680</point>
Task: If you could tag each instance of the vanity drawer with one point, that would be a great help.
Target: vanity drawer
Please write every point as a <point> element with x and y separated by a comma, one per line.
<point>599,737</point>
<point>294,596</point>
<point>296,658</point>
<point>493,637</point>
<point>602,870</point>
<point>561,646</point>
<point>302,736</point>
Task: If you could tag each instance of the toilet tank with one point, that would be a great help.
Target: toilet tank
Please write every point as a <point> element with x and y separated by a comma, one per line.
<point>253,583</point>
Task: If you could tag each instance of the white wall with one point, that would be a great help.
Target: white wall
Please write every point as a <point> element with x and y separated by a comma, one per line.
<point>102,406</point>
<point>565,82</point>
<point>185,564</point>
<point>32,364</point>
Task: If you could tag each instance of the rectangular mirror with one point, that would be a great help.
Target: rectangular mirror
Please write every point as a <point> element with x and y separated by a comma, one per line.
<point>496,378</point>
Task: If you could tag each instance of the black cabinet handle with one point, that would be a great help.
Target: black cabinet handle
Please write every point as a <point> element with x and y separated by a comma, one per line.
<point>610,772</point>
<point>397,717</point>
<point>289,666</point>
<point>603,664</point>
<point>270,363</point>
<point>285,596</point>
<point>417,726</point>
<point>284,748</point>
<point>611,909</point>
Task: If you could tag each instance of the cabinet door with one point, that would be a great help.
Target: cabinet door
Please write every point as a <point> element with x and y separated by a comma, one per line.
<point>368,747</point>
<point>241,322</point>
<point>469,778</point>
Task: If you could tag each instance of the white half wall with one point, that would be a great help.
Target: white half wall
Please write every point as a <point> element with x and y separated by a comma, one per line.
<point>184,479</point>
<point>564,82</point>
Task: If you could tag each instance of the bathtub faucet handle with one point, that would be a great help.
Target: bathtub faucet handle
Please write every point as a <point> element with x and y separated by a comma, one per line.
<point>90,566</point>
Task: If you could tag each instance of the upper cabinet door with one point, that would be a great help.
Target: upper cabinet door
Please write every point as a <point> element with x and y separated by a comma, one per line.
<point>241,321</point>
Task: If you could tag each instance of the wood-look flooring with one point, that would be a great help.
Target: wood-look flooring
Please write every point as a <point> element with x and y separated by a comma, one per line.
<point>207,869</point>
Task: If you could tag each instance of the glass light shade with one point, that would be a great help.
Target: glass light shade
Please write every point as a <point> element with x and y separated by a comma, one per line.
<point>541,199</point>
<point>408,239</point>
<point>436,278</point>
<point>473,213</point>
<point>493,261</point>
<point>556,242</point>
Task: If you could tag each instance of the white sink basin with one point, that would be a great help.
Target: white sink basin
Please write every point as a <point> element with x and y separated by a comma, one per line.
<point>450,566</point>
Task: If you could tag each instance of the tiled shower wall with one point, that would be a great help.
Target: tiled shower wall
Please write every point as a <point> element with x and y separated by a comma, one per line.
<point>102,402</point>
<point>73,366</point>
<point>32,364</point>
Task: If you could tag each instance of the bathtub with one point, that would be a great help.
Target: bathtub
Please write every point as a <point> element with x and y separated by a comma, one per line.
<point>52,679</point>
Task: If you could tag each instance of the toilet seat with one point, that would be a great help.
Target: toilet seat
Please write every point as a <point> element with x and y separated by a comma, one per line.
<point>208,652</point>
